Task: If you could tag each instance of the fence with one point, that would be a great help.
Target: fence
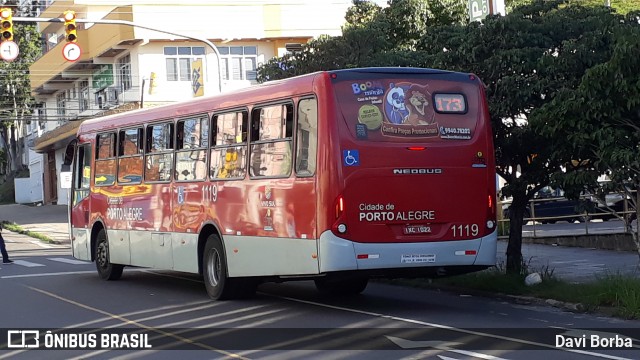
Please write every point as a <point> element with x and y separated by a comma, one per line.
<point>586,217</point>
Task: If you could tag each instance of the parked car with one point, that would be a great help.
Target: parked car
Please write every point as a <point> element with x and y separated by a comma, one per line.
<point>615,202</point>
<point>550,206</point>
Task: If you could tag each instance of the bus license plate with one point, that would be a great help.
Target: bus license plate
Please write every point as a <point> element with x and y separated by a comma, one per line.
<point>417,229</point>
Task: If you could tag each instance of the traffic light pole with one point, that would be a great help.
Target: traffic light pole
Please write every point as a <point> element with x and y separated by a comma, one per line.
<point>129,23</point>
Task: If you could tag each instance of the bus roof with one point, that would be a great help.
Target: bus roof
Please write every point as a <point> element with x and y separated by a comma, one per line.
<point>264,92</point>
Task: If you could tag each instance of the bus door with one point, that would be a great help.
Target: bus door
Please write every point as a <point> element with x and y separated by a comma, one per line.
<point>79,205</point>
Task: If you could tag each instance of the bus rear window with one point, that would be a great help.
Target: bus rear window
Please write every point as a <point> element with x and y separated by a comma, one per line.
<point>409,109</point>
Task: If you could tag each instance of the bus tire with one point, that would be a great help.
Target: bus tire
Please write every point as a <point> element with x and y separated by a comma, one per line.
<point>106,269</point>
<point>348,287</point>
<point>215,269</point>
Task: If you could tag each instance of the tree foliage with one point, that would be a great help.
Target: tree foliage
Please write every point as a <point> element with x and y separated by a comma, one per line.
<point>600,120</point>
<point>16,101</point>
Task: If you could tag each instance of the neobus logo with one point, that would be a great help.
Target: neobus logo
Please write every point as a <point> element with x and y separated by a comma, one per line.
<point>417,171</point>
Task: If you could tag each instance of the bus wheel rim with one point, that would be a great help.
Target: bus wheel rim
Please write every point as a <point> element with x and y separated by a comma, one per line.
<point>102,255</point>
<point>214,266</point>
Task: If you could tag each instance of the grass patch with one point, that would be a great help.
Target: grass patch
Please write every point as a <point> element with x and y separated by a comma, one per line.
<point>613,294</point>
<point>20,230</point>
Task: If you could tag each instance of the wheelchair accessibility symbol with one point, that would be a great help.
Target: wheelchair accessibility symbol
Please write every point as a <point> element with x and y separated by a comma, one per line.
<point>351,157</point>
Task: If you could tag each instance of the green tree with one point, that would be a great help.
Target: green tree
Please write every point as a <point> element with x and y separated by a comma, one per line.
<point>16,102</point>
<point>372,36</point>
<point>362,13</point>
<point>599,121</point>
<point>526,59</point>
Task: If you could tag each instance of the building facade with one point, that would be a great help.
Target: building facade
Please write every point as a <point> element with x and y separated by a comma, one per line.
<point>211,46</point>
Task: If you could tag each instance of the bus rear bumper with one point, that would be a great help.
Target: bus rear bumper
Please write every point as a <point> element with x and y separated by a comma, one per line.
<point>338,254</point>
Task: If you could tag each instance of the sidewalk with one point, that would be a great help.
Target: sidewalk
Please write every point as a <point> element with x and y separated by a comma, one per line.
<point>50,220</point>
<point>568,263</point>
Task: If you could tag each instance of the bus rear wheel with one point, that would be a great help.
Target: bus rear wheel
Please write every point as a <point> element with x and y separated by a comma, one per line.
<point>215,269</point>
<point>106,269</point>
<point>348,287</point>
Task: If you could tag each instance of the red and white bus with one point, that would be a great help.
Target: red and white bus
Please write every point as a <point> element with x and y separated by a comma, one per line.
<point>335,176</point>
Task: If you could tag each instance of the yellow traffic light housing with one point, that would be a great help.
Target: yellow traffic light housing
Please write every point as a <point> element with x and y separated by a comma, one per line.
<point>70,27</point>
<point>6,24</point>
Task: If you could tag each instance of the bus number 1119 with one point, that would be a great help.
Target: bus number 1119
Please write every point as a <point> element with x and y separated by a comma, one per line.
<point>465,230</point>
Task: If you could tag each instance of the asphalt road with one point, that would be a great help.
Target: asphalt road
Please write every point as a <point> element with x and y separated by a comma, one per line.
<point>48,290</point>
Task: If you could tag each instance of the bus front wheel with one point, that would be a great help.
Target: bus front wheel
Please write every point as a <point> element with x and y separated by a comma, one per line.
<point>106,269</point>
<point>348,287</point>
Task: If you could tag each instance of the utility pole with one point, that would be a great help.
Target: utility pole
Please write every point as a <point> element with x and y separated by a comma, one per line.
<point>130,23</point>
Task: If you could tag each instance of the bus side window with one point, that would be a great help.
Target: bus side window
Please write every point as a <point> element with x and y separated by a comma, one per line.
<point>307,137</point>
<point>130,156</point>
<point>192,140</point>
<point>159,152</point>
<point>105,160</point>
<point>271,150</point>
<point>229,152</point>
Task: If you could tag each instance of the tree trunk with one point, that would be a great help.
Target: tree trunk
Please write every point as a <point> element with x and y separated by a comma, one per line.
<point>13,148</point>
<point>516,221</point>
<point>636,234</point>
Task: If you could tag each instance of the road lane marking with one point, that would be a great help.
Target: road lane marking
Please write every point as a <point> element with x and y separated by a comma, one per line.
<point>26,263</point>
<point>440,345</point>
<point>447,327</point>
<point>128,321</point>
<point>47,274</point>
<point>70,261</point>
<point>60,273</point>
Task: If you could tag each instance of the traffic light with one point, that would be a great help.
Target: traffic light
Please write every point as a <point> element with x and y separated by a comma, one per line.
<point>6,18</point>
<point>70,26</point>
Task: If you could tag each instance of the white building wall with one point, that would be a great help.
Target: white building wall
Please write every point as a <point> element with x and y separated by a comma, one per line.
<point>36,169</point>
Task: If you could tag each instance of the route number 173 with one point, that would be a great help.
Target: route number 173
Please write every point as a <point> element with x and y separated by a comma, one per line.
<point>465,230</point>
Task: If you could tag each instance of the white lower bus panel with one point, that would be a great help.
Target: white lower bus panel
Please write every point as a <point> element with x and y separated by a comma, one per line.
<point>434,258</point>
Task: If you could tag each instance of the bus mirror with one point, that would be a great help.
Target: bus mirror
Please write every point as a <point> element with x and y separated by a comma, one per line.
<point>65,177</point>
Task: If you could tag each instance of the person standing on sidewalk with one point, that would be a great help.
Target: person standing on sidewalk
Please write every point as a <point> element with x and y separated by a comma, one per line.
<point>3,250</point>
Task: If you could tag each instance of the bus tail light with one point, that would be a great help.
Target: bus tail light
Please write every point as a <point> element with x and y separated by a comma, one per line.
<point>339,207</point>
<point>339,227</point>
<point>491,212</point>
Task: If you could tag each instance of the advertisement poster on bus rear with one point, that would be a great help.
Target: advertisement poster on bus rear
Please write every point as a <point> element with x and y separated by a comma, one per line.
<point>405,109</point>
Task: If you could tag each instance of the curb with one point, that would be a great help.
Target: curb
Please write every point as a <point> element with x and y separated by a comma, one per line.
<point>26,233</point>
<point>518,299</point>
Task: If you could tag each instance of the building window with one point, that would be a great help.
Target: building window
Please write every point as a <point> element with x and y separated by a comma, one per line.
<point>41,110</point>
<point>124,72</point>
<point>84,95</point>
<point>238,62</point>
<point>61,110</point>
<point>179,59</point>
